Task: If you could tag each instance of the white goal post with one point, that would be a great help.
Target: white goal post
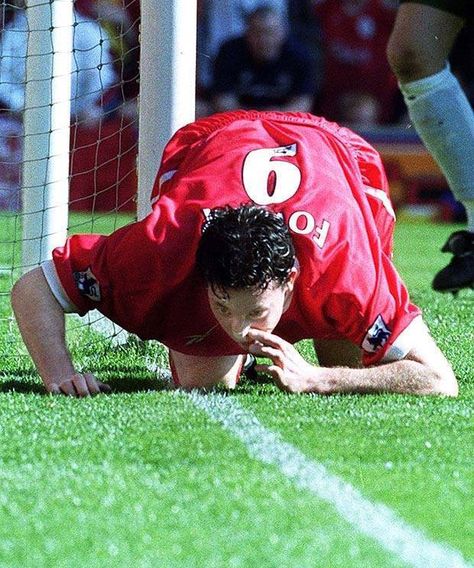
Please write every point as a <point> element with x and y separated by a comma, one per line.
<point>46,119</point>
<point>166,102</point>
<point>167,83</point>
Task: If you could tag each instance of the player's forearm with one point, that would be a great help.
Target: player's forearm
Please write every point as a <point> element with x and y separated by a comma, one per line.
<point>41,322</point>
<point>404,377</point>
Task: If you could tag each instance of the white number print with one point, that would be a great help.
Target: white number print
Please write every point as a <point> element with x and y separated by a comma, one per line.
<point>268,180</point>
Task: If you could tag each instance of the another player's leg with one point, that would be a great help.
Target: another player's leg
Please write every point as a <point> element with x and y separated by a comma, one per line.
<point>420,43</point>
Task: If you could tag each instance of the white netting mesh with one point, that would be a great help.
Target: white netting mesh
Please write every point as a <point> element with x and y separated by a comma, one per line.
<point>103,116</point>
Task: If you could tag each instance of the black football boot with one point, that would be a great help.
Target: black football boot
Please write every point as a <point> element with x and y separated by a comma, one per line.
<point>460,271</point>
<point>249,368</point>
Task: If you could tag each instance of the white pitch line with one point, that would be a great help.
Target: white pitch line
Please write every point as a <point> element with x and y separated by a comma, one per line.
<point>372,519</point>
<point>375,520</point>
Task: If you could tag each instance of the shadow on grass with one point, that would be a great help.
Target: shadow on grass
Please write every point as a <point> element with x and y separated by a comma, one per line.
<point>127,385</point>
<point>24,387</point>
<point>25,381</point>
<point>120,385</point>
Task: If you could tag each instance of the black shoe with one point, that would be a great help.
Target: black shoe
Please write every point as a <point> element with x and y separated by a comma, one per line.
<point>249,368</point>
<point>460,271</point>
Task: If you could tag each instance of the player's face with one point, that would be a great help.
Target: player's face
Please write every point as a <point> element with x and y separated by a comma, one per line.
<point>237,311</point>
<point>265,36</point>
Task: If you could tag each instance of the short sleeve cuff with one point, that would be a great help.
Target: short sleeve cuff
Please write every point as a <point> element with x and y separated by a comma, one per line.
<point>405,341</point>
<point>51,275</point>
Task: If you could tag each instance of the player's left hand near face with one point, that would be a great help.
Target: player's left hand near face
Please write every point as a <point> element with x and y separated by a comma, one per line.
<point>288,369</point>
<point>79,385</point>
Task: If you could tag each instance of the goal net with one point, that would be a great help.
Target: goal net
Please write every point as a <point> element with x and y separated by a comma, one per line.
<point>78,153</point>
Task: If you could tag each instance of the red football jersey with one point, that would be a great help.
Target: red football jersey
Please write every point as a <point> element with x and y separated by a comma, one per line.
<point>331,189</point>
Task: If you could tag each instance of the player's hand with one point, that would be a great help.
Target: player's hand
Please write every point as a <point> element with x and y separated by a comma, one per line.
<point>79,385</point>
<point>288,369</point>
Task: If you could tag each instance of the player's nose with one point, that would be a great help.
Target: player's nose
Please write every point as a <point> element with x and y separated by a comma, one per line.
<point>239,329</point>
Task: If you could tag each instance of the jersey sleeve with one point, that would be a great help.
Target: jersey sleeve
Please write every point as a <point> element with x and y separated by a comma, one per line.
<point>54,283</point>
<point>367,301</point>
<point>77,274</point>
<point>371,307</point>
<point>389,322</point>
<point>129,275</point>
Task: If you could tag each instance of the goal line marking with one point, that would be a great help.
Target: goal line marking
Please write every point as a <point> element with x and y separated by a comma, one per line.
<point>375,520</point>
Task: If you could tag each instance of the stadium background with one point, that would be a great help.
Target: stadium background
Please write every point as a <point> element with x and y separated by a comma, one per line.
<point>152,477</point>
<point>104,148</point>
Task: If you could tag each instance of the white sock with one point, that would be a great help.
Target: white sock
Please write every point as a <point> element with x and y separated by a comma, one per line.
<point>469,207</point>
<point>444,119</point>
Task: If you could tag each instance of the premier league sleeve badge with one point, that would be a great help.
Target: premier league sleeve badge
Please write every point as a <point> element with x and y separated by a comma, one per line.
<point>87,284</point>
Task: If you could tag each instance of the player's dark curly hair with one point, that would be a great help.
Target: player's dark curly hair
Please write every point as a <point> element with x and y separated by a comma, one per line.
<point>245,247</point>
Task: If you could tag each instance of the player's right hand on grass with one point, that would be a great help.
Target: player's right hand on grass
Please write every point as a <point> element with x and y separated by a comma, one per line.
<point>79,385</point>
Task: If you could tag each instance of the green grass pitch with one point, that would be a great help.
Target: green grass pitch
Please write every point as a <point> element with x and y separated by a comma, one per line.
<point>145,478</point>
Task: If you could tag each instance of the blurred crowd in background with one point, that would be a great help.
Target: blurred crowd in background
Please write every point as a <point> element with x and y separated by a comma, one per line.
<point>322,56</point>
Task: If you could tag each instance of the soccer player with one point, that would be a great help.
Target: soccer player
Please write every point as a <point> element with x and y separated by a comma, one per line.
<point>421,40</point>
<point>266,228</point>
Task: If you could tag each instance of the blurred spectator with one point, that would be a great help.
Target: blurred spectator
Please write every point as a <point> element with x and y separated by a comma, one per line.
<point>11,149</point>
<point>92,64</point>
<point>304,26</point>
<point>120,19</point>
<point>103,155</point>
<point>219,21</point>
<point>103,166</point>
<point>264,68</point>
<point>360,110</point>
<point>103,152</point>
<point>358,83</point>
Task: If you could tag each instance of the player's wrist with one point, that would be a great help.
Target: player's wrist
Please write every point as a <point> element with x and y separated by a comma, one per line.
<point>55,378</point>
